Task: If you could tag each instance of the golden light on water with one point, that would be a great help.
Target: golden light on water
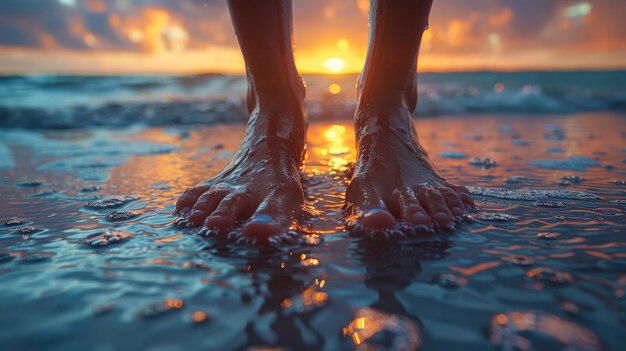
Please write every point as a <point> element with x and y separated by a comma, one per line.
<point>369,322</point>
<point>334,88</point>
<point>334,64</point>
<point>334,132</point>
<point>336,147</point>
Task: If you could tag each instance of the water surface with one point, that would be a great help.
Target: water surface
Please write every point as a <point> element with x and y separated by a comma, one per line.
<point>535,270</point>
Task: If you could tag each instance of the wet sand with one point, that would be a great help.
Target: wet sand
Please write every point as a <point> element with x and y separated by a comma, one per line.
<point>548,267</point>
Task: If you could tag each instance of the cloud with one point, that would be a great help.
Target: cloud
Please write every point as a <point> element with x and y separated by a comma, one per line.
<point>491,28</point>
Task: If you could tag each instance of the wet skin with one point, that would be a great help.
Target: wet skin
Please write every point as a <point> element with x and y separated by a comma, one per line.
<point>394,180</point>
<point>261,184</point>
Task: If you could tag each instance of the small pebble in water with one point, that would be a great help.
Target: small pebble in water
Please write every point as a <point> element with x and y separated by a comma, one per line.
<point>106,238</point>
<point>560,218</point>
<point>547,235</point>
<point>117,216</point>
<point>26,230</point>
<point>45,194</point>
<point>485,162</point>
<point>515,179</point>
<point>496,217</point>
<point>547,203</point>
<point>457,155</point>
<point>102,309</point>
<point>14,221</point>
<point>199,317</point>
<point>573,179</point>
<point>521,261</point>
<point>449,281</point>
<point>30,183</point>
<point>550,275</point>
<point>91,189</point>
<point>111,202</point>
<point>570,307</point>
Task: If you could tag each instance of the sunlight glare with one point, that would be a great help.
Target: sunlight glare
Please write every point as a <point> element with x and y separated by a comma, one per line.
<point>334,64</point>
<point>334,132</point>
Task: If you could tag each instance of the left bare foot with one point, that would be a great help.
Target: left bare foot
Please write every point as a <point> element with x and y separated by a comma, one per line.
<point>394,180</point>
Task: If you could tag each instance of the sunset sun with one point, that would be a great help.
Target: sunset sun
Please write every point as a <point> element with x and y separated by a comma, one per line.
<point>334,64</point>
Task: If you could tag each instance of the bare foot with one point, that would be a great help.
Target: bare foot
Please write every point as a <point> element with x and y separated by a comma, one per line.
<point>394,180</point>
<point>261,184</point>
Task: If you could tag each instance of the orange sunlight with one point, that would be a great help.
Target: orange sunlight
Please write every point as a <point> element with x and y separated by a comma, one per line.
<point>158,39</point>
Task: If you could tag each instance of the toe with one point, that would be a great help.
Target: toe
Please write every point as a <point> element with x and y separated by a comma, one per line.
<point>230,209</point>
<point>377,219</point>
<point>189,198</point>
<point>435,204</point>
<point>273,217</point>
<point>455,205</point>
<point>408,208</point>
<point>261,227</point>
<point>465,197</point>
<point>206,204</point>
<point>365,203</point>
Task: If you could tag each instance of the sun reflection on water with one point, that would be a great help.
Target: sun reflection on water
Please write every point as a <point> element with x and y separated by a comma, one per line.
<point>368,323</point>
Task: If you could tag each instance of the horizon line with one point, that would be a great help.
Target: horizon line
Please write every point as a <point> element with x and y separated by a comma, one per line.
<point>236,73</point>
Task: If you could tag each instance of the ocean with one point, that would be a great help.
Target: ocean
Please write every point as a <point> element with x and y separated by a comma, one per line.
<point>61,101</point>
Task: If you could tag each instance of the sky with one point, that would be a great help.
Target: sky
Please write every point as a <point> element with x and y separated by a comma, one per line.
<point>196,36</point>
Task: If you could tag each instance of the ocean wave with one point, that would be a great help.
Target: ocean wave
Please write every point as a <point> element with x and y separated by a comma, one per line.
<point>81,101</point>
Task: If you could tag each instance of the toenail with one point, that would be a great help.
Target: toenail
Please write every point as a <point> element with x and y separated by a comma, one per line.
<point>373,212</point>
<point>377,219</point>
<point>262,218</point>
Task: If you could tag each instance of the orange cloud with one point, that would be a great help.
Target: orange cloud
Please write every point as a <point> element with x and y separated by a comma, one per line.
<point>500,34</point>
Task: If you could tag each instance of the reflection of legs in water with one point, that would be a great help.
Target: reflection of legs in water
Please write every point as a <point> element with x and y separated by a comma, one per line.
<point>261,184</point>
<point>394,178</point>
<point>391,267</point>
<point>280,289</point>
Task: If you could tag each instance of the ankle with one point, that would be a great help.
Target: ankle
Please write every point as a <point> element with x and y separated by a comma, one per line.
<point>278,96</point>
<point>387,114</point>
<point>386,94</point>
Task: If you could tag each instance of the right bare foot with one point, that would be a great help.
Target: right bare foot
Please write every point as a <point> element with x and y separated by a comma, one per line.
<point>261,184</point>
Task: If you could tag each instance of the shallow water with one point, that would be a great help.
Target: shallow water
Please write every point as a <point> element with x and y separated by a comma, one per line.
<point>535,270</point>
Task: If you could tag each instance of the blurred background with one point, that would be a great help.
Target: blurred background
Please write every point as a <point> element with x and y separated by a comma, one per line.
<point>69,63</point>
<point>193,36</point>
